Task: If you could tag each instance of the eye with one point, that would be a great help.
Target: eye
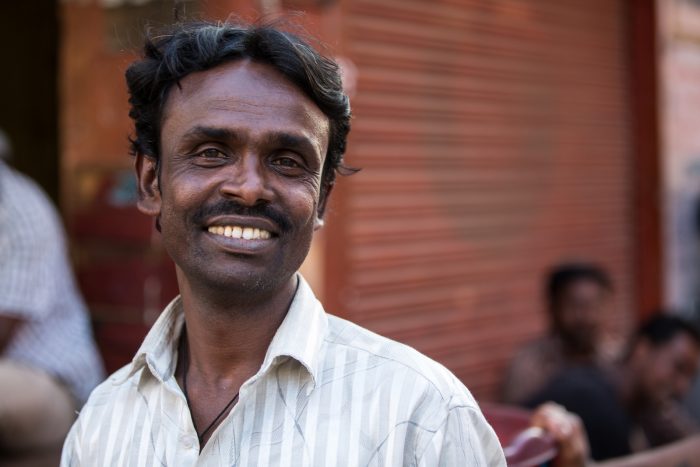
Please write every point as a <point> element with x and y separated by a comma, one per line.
<point>211,153</point>
<point>209,157</point>
<point>287,162</point>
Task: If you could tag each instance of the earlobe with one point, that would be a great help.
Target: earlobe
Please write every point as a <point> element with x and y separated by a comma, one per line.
<point>147,178</point>
<point>321,208</point>
<point>318,223</point>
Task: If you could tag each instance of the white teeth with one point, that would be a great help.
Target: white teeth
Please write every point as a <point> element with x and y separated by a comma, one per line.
<point>234,231</point>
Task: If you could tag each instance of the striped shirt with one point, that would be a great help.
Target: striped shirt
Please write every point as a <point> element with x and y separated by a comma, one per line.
<point>38,288</point>
<point>329,393</point>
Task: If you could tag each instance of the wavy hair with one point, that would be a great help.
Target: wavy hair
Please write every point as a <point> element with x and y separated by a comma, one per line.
<point>190,47</point>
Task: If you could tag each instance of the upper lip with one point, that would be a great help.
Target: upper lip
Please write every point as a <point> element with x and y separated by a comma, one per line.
<point>243,221</point>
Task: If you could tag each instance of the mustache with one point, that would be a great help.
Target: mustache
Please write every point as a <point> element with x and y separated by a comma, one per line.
<point>231,207</point>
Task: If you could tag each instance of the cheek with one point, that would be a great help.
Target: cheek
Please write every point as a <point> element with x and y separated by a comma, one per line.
<point>662,373</point>
<point>178,205</point>
<point>568,318</point>
<point>304,205</point>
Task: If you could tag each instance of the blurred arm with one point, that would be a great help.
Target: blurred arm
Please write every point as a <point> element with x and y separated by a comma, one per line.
<point>568,430</point>
<point>685,453</point>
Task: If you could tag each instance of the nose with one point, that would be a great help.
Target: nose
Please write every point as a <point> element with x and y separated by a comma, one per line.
<point>247,182</point>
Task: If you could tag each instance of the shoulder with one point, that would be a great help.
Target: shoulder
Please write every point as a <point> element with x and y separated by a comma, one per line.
<point>538,350</point>
<point>27,207</point>
<point>114,394</point>
<point>445,420</point>
<point>393,359</point>
<point>112,409</point>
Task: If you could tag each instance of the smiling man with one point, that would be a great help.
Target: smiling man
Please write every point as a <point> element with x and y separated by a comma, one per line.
<point>240,131</point>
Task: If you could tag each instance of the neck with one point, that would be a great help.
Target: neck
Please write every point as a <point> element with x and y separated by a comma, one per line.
<point>581,354</point>
<point>228,338</point>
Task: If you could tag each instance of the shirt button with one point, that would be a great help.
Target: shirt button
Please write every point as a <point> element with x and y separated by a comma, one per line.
<point>188,442</point>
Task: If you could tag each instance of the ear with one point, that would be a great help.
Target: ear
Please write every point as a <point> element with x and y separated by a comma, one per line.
<point>322,203</point>
<point>149,201</point>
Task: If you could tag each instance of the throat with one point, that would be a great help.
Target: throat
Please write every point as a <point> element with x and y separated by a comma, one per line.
<point>200,413</point>
<point>219,350</point>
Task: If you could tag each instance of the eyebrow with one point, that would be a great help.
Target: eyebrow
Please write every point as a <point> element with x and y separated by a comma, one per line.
<point>291,141</point>
<point>295,142</point>
<point>216,133</point>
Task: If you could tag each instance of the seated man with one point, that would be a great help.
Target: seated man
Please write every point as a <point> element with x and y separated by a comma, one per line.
<point>658,369</point>
<point>48,361</point>
<point>573,450</point>
<point>577,295</point>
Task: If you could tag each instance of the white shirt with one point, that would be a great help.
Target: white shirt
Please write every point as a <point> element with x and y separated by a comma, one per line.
<point>329,393</point>
<point>37,287</point>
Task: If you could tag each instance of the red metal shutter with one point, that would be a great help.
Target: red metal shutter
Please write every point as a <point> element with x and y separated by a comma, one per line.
<point>493,137</point>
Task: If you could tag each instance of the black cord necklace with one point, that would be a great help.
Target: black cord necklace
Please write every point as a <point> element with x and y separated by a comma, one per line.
<point>185,367</point>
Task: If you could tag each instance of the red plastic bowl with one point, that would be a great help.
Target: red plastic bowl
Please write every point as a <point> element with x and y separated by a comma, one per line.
<point>523,445</point>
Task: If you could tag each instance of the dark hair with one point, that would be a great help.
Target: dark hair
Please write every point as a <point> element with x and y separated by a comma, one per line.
<point>563,275</point>
<point>662,327</point>
<point>186,48</point>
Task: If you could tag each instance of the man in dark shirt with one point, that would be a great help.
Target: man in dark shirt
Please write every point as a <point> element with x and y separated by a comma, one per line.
<point>577,296</point>
<point>658,368</point>
<point>589,393</point>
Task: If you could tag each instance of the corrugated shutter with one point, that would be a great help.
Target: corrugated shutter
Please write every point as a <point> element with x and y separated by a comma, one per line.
<point>494,141</point>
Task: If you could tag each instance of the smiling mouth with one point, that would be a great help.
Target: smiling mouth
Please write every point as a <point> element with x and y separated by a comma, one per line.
<point>235,231</point>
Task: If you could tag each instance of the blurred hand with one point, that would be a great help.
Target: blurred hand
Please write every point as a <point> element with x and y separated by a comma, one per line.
<point>567,430</point>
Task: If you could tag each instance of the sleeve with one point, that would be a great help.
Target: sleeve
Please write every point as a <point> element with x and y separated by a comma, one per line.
<point>464,438</point>
<point>29,247</point>
<point>70,456</point>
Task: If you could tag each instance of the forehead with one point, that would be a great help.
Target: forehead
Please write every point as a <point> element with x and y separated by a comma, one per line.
<point>682,345</point>
<point>253,98</point>
<point>584,286</point>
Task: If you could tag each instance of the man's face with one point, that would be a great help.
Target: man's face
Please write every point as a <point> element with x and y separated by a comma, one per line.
<point>667,370</point>
<point>242,151</point>
<point>579,312</point>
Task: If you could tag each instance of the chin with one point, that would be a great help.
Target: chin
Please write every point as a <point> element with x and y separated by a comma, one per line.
<point>244,284</point>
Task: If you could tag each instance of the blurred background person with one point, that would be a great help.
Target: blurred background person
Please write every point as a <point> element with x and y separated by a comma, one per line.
<point>577,295</point>
<point>632,406</point>
<point>48,360</point>
<point>573,450</point>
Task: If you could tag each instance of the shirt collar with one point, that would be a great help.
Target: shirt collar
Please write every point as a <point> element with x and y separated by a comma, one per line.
<point>301,334</point>
<point>159,349</point>
<point>300,337</point>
